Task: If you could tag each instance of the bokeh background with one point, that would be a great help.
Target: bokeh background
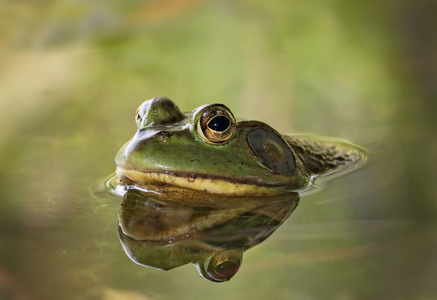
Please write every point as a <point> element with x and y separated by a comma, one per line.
<point>73,72</point>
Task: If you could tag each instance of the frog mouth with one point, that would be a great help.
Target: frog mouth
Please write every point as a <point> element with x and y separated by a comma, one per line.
<point>208,184</point>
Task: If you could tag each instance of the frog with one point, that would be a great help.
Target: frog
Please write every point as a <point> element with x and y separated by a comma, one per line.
<point>210,151</point>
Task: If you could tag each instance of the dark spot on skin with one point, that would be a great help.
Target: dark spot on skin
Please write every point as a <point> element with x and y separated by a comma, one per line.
<point>318,156</point>
<point>191,177</point>
<point>162,136</point>
<point>165,134</point>
<point>174,119</point>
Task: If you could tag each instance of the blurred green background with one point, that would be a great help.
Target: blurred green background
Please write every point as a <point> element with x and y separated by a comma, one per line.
<point>73,72</point>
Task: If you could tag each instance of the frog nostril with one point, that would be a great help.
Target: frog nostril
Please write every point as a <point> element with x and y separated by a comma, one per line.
<point>163,135</point>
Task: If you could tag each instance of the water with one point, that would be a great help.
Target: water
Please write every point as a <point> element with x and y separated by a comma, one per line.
<point>72,75</point>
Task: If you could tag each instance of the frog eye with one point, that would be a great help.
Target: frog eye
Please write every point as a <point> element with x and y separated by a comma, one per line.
<point>138,117</point>
<point>157,111</point>
<point>221,265</point>
<point>216,125</point>
<point>142,111</point>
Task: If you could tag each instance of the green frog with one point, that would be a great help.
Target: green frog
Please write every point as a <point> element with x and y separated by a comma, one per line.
<point>210,151</point>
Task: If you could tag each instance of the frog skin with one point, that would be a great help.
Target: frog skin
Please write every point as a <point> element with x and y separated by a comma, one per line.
<point>209,151</point>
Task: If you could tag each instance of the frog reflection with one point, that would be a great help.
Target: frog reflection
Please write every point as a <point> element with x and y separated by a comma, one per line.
<point>213,235</point>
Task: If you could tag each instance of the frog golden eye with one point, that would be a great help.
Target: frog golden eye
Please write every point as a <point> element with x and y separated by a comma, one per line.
<point>221,265</point>
<point>216,125</point>
<point>138,117</point>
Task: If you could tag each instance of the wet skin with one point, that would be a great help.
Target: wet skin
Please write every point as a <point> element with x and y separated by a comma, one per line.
<point>210,151</point>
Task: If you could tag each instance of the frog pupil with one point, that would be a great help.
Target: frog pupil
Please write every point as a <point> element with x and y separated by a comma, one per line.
<point>219,123</point>
<point>227,269</point>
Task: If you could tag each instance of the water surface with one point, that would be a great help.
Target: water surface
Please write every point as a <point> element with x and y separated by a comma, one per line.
<point>72,75</point>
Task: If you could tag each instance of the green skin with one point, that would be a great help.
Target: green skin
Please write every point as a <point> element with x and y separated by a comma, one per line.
<point>168,149</point>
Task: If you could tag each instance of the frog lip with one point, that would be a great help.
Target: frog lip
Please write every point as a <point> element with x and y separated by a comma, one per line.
<point>207,183</point>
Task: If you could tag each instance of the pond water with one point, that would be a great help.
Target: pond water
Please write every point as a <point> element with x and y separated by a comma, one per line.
<point>73,73</point>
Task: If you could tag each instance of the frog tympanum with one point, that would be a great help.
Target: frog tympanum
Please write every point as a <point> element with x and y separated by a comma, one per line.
<point>203,187</point>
